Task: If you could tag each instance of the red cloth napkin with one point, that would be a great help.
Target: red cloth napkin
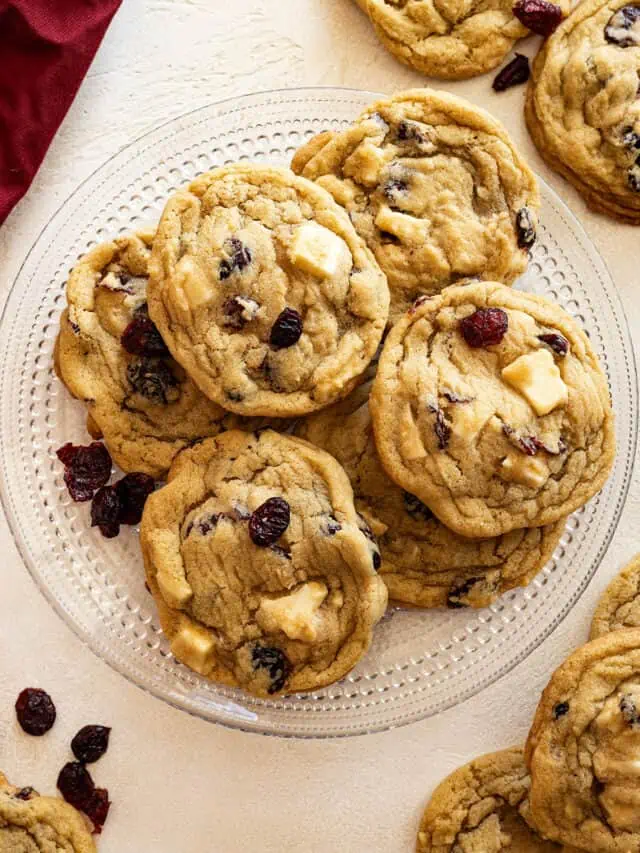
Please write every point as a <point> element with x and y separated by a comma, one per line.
<point>46,47</point>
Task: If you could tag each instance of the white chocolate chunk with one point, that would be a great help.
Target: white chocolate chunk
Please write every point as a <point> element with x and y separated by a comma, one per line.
<point>469,419</point>
<point>406,228</point>
<point>343,191</point>
<point>174,589</point>
<point>411,444</point>
<point>193,646</point>
<point>536,376</point>
<point>296,613</point>
<point>366,163</point>
<point>192,281</point>
<point>525,470</point>
<point>317,250</point>
<point>165,554</point>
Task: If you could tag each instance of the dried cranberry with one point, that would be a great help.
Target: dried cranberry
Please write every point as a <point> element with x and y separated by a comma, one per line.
<point>152,378</point>
<point>36,711</point>
<point>25,793</point>
<point>133,490</point>
<point>560,710</point>
<point>452,397</point>
<point>365,527</point>
<point>409,132</point>
<point>513,74</point>
<point>86,468</point>
<point>485,327</point>
<point>633,177</point>
<point>388,237</point>
<point>393,188</point>
<point>526,228</point>
<point>90,743</point>
<point>239,258</point>
<point>78,789</point>
<point>105,511</point>
<point>416,508</point>
<point>269,521</point>
<point>458,592</point>
<point>97,808</point>
<point>441,429</point>
<point>377,560</point>
<point>539,16</point>
<point>275,662</point>
<point>141,337</point>
<point>629,711</point>
<point>286,330</point>
<point>621,22</point>
<point>333,526</point>
<point>558,343</point>
<point>239,310</point>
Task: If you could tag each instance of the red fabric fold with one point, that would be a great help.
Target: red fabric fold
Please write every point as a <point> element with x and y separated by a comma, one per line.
<point>46,47</point>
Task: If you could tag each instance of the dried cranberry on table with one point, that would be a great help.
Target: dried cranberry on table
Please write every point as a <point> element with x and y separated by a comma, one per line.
<point>105,511</point>
<point>485,327</point>
<point>90,743</point>
<point>78,788</point>
<point>35,711</point>
<point>513,74</point>
<point>133,491</point>
<point>539,16</point>
<point>86,468</point>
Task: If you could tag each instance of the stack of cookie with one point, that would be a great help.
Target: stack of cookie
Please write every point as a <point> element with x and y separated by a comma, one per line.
<point>310,473</point>
<point>575,785</point>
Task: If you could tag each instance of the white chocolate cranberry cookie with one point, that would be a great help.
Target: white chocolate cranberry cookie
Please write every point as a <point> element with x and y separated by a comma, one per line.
<point>619,605</point>
<point>264,575</point>
<point>490,406</point>
<point>264,292</point>
<point>435,186</point>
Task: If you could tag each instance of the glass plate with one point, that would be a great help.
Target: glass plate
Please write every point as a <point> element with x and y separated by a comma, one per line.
<point>421,661</point>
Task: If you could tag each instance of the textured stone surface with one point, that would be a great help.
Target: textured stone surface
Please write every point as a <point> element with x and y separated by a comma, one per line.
<point>232,792</point>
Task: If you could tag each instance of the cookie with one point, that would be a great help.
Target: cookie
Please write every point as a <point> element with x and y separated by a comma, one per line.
<point>264,576</point>
<point>583,751</point>
<point>30,823</point>
<point>423,562</point>
<point>490,406</point>
<point>436,188</point>
<point>619,605</point>
<point>582,105</point>
<point>482,808</point>
<point>110,355</point>
<point>451,42</point>
<point>264,292</point>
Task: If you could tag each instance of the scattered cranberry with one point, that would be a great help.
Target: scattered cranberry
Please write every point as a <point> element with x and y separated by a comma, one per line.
<point>239,258</point>
<point>560,710</point>
<point>97,808</point>
<point>141,337</point>
<point>539,16</point>
<point>459,592</point>
<point>78,789</point>
<point>105,511</point>
<point>152,378</point>
<point>513,74</point>
<point>269,521</point>
<point>485,327</point>
<point>239,310</point>
<point>86,468</point>
<point>558,343</point>
<point>133,491</point>
<point>275,662</point>
<point>286,330</point>
<point>36,711</point>
<point>90,743</point>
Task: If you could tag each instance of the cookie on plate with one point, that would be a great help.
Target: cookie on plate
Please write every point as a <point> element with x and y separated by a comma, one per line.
<point>264,292</point>
<point>264,575</point>
<point>110,355</point>
<point>490,406</point>
<point>482,808</point>
<point>452,42</point>
<point>582,106</point>
<point>583,751</point>
<point>30,823</point>
<point>619,605</point>
<point>423,562</point>
<point>436,188</point>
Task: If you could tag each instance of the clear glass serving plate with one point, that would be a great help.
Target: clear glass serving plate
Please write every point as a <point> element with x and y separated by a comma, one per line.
<point>421,661</point>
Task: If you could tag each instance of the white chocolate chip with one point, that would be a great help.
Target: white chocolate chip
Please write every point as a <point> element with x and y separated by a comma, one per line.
<point>469,419</point>
<point>343,191</point>
<point>406,228</point>
<point>296,613</point>
<point>192,282</point>
<point>525,470</point>
<point>316,250</point>
<point>193,646</point>
<point>536,376</point>
<point>366,162</point>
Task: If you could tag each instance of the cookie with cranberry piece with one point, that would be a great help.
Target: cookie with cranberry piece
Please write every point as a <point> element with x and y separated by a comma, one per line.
<point>454,41</point>
<point>482,807</point>
<point>490,406</point>
<point>263,573</point>
<point>435,186</point>
<point>264,292</point>
<point>423,562</point>
<point>30,823</point>
<point>619,604</point>
<point>110,355</point>
<point>582,106</point>
<point>583,750</point>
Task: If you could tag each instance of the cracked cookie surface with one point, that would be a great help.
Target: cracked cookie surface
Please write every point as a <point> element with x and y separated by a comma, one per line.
<point>436,188</point>
<point>264,292</point>
<point>490,406</point>
<point>140,401</point>
<point>482,808</point>
<point>583,109</point>
<point>583,751</point>
<point>30,823</point>
<point>264,575</point>
<point>423,562</point>
<point>619,605</point>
